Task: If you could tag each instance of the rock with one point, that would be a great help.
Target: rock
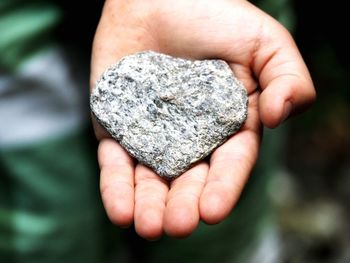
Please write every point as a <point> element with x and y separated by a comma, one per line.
<point>169,112</point>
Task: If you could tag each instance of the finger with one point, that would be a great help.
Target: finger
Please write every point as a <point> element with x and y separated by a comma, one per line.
<point>283,75</point>
<point>230,166</point>
<point>150,198</point>
<point>285,95</point>
<point>116,182</point>
<point>182,207</point>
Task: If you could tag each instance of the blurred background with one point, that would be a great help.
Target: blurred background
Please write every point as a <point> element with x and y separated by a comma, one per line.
<point>314,207</point>
<point>309,190</point>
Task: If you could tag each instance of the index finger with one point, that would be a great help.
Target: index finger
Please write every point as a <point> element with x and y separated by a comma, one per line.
<point>116,182</point>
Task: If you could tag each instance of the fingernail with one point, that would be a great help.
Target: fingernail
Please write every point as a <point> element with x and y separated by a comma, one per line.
<point>286,110</point>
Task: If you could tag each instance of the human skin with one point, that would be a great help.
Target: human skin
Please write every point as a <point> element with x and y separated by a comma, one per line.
<point>262,54</point>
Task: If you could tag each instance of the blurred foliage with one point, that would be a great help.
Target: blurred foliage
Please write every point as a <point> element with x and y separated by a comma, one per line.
<point>281,10</point>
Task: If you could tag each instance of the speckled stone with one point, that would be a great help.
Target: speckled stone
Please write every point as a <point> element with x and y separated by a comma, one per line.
<point>169,112</point>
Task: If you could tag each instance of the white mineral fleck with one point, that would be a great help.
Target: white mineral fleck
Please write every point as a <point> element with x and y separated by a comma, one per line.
<point>169,112</point>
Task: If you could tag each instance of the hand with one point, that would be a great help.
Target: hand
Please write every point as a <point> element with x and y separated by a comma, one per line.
<point>259,51</point>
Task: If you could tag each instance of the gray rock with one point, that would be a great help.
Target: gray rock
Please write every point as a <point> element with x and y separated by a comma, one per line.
<point>169,112</point>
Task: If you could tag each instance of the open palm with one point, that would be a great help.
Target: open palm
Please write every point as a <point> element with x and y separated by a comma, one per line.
<point>260,52</point>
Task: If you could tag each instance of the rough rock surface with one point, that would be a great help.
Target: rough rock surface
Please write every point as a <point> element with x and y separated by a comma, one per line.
<point>169,112</point>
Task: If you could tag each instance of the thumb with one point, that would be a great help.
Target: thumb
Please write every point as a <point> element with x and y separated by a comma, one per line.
<point>283,76</point>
